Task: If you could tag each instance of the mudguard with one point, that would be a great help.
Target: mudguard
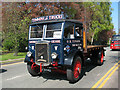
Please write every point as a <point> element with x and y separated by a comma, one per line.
<point>27,59</point>
<point>69,59</point>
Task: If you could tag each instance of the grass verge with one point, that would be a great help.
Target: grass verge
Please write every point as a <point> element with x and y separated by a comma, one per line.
<point>11,56</point>
<point>11,61</point>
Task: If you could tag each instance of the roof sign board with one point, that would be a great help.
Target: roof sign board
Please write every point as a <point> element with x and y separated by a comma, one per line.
<point>51,17</point>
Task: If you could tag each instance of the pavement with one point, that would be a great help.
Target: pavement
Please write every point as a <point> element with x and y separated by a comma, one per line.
<point>15,75</point>
<point>9,61</point>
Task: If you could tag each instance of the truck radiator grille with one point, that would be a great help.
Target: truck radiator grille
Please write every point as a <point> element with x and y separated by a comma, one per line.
<point>42,53</point>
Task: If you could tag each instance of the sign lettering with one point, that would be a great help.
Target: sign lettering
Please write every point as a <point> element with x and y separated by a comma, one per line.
<point>52,17</point>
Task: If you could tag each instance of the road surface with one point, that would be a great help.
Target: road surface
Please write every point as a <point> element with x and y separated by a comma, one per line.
<point>105,76</point>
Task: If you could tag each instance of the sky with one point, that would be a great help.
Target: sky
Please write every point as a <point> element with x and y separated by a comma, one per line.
<point>119,16</point>
<point>114,15</point>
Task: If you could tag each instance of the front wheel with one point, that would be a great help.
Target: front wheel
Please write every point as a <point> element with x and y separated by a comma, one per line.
<point>73,74</point>
<point>33,71</point>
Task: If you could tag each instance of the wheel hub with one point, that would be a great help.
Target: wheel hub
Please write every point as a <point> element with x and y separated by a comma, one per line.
<point>77,69</point>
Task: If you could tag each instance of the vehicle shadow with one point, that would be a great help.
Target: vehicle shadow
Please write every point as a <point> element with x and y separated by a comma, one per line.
<point>115,50</point>
<point>2,70</point>
<point>54,76</point>
<point>88,67</point>
<point>60,76</point>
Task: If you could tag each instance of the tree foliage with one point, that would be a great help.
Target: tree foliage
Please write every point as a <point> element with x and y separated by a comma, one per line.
<point>16,18</point>
<point>14,26</point>
<point>99,18</point>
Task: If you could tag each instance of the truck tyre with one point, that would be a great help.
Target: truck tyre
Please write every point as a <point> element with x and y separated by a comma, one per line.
<point>34,72</point>
<point>97,58</point>
<point>74,73</point>
<point>100,58</point>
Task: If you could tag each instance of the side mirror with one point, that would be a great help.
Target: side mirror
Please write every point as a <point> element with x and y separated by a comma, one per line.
<point>26,48</point>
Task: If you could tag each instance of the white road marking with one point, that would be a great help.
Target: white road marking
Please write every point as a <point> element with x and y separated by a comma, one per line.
<point>17,77</point>
<point>98,74</point>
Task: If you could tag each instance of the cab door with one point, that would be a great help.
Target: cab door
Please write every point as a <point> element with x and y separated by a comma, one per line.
<point>72,40</point>
<point>68,37</point>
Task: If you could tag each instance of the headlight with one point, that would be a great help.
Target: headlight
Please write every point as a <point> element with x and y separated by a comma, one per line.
<point>26,48</point>
<point>29,54</point>
<point>54,55</point>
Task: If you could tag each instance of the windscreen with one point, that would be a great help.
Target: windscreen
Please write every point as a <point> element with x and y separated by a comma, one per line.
<point>117,37</point>
<point>53,30</point>
<point>36,31</point>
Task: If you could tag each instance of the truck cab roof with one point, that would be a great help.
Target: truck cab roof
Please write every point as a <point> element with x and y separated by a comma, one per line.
<point>61,20</point>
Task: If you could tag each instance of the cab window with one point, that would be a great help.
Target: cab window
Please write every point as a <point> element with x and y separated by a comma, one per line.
<point>78,31</point>
<point>69,30</point>
<point>53,30</point>
<point>36,31</point>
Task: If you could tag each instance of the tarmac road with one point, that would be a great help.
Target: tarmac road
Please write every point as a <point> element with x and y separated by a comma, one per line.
<point>105,76</point>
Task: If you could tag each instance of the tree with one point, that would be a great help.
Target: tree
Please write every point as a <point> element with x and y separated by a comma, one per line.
<point>16,17</point>
<point>14,25</point>
<point>99,18</point>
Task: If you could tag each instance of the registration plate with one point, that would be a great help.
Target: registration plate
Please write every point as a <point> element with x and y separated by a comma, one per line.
<point>48,70</point>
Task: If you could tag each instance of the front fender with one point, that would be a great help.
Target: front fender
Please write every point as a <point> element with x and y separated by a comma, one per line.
<point>27,59</point>
<point>69,59</point>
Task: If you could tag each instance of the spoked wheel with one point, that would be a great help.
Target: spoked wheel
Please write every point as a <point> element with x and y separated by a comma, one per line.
<point>33,69</point>
<point>73,74</point>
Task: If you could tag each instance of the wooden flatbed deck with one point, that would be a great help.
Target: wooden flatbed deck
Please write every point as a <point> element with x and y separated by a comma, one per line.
<point>95,46</point>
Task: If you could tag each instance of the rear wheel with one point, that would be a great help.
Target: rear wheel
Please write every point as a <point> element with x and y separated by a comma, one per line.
<point>73,74</point>
<point>97,57</point>
<point>33,70</point>
<point>100,58</point>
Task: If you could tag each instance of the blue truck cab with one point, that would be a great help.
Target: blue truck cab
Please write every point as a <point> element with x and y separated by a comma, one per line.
<point>55,43</point>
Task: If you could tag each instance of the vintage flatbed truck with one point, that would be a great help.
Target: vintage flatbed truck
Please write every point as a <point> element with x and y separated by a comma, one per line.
<point>59,44</point>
